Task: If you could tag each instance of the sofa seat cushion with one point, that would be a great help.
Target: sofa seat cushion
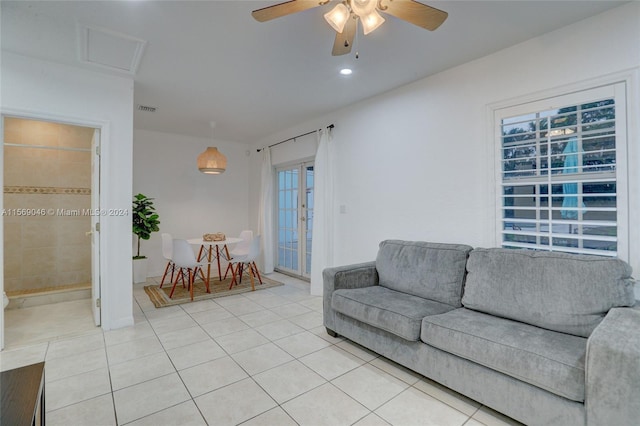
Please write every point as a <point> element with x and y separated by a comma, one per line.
<point>562,292</point>
<point>547,359</point>
<point>389,310</point>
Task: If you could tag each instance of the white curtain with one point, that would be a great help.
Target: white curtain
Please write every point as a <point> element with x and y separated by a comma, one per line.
<point>323,210</point>
<point>265,212</point>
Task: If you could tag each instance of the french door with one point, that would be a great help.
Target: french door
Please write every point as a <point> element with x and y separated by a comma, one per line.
<point>295,218</point>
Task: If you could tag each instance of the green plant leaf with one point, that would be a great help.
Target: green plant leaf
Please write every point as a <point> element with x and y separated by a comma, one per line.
<point>144,219</point>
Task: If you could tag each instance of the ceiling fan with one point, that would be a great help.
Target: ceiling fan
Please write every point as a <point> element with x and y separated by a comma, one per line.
<point>345,15</point>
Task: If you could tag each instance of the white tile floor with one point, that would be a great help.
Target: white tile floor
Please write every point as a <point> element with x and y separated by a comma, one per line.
<point>52,322</point>
<point>259,358</point>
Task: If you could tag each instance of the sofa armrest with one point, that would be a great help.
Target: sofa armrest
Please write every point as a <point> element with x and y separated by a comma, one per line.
<point>350,276</point>
<point>612,394</point>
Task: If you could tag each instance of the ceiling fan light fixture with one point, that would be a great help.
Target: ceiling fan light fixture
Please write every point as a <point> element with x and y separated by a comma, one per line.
<point>344,17</point>
<point>371,21</point>
<point>212,161</point>
<point>337,17</point>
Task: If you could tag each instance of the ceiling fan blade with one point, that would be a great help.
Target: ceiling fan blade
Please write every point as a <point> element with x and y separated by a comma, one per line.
<point>419,14</point>
<point>344,40</point>
<point>286,8</point>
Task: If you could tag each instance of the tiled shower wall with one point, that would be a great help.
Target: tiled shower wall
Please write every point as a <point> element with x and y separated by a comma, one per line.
<point>47,186</point>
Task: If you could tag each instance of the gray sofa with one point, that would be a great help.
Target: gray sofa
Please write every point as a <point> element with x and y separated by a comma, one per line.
<point>546,338</point>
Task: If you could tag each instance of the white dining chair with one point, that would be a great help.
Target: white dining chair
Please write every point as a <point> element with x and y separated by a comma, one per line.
<point>241,249</point>
<point>167,253</point>
<point>187,264</point>
<point>247,263</point>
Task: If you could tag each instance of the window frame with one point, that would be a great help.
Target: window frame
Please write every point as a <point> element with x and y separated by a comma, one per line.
<point>556,99</point>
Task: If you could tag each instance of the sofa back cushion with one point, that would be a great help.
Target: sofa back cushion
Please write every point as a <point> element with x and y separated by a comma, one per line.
<point>429,270</point>
<point>558,291</point>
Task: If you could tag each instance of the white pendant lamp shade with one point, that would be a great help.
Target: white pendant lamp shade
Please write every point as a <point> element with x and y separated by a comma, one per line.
<point>337,17</point>
<point>371,21</point>
<point>212,162</point>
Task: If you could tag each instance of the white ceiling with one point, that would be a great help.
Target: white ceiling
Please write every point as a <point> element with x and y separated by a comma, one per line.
<point>211,61</point>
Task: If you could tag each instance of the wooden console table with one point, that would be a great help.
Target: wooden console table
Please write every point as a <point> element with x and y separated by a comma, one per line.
<point>22,391</point>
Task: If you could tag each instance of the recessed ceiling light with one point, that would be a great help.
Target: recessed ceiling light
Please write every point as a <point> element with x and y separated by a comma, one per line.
<point>346,71</point>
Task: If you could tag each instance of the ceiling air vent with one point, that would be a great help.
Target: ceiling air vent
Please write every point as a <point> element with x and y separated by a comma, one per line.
<point>146,108</point>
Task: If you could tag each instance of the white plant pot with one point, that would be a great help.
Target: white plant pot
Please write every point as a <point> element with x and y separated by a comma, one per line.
<point>139,270</point>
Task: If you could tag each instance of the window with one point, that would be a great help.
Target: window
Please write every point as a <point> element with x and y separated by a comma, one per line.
<point>562,175</point>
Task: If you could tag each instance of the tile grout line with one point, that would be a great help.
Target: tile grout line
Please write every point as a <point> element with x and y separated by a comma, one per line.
<point>164,375</point>
<point>250,376</point>
<point>113,398</point>
<point>229,355</point>
<point>178,372</point>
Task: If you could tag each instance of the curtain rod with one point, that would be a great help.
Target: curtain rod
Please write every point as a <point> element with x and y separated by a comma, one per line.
<point>330,126</point>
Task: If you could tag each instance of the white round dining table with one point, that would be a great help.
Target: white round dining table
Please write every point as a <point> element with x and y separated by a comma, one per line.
<point>212,250</point>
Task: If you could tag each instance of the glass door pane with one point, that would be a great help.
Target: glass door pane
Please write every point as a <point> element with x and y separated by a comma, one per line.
<point>288,219</point>
<point>295,219</point>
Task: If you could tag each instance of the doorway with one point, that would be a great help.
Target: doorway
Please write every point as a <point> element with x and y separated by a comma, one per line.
<point>295,218</point>
<point>51,214</point>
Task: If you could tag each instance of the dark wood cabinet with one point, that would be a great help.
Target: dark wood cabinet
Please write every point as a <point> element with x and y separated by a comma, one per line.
<point>22,391</point>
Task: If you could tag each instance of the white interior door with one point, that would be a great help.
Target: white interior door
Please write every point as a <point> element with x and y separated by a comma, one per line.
<point>95,226</point>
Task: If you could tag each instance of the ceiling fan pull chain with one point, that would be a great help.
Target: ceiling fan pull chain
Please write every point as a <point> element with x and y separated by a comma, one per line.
<point>355,41</point>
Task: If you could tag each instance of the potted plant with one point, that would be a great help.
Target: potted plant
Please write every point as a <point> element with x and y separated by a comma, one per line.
<point>145,221</point>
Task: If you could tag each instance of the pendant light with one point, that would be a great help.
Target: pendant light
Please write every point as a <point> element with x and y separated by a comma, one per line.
<point>212,161</point>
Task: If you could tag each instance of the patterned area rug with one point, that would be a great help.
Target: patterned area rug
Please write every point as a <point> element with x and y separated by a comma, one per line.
<point>160,296</point>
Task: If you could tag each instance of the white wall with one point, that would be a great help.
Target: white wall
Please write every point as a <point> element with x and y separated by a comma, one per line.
<point>189,203</point>
<point>46,89</point>
<point>414,163</point>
